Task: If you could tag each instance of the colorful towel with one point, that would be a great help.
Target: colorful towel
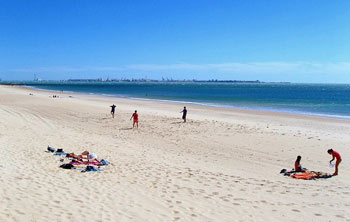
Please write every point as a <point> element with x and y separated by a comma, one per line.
<point>305,176</point>
<point>96,163</point>
<point>310,175</point>
<point>60,154</point>
<point>90,169</point>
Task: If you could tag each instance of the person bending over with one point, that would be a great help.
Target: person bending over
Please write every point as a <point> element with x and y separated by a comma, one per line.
<point>336,156</point>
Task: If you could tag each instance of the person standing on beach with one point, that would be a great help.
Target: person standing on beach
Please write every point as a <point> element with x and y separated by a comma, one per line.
<point>112,110</point>
<point>184,114</point>
<point>135,116</point>
<point>337,156</point>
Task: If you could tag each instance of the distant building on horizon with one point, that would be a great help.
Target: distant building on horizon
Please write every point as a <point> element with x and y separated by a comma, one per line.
<point>36,79</point>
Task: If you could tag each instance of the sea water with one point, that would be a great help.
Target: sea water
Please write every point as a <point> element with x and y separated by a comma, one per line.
<point>331,100</point>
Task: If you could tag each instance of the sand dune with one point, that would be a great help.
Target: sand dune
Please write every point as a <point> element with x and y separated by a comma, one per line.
<point>222,165</point>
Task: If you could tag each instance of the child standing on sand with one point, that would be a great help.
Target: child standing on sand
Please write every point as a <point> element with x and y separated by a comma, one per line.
<point>135,116</point>
<point>337,156</point>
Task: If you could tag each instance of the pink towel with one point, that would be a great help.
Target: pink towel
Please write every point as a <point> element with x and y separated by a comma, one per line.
<point>97,163</point>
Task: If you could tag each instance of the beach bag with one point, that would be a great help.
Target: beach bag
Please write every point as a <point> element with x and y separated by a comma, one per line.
<point>104,162</point>
<point>50,149</point>
<point>90,168</point>
<point>67,166</point>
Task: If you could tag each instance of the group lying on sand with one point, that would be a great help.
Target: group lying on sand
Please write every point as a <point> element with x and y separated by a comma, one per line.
<point>302,173</point>
<point>85,161</point>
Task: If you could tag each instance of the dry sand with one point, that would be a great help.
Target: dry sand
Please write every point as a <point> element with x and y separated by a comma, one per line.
<point>222,165</point>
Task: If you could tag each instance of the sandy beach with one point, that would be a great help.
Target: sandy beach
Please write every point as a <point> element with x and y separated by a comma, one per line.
<point>222,165</point>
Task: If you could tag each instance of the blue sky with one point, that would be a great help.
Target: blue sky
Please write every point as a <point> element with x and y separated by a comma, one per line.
<point>285,40</point>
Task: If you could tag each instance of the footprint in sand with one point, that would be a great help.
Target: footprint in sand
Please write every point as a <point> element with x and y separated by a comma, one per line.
<point>19,212</point>
<point>340,216</point>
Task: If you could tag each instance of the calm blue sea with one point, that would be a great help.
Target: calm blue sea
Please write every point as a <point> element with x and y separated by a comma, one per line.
<point>314,99</point>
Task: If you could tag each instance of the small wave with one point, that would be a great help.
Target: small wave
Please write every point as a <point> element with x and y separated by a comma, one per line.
<point>218,105</point>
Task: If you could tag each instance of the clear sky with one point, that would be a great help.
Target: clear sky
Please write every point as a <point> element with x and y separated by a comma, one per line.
<point>285,40</point>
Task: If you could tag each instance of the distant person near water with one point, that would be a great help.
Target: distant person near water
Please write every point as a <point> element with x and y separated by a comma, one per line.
<point>135,116</point>
<point>297,165</point>
<point>112,110</point>
<point>184,114</point>
<point>337,156</point>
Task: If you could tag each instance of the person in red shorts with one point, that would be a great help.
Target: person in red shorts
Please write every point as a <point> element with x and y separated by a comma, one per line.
<point>135,116</point>
<point>337,156</point>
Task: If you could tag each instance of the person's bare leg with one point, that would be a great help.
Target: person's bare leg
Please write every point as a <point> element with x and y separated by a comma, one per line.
<point>336,168</point>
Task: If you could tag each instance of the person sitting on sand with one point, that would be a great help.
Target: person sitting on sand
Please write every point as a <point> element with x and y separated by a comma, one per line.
<point>297,165</point>
<point>135,116</point>
<point>337,156</point>
<point>112,110</point>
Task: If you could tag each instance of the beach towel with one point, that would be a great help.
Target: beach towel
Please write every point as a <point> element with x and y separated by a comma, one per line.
<point>305,176</point>
<point>310,175</point>
<point>91,169</point>
<point>96,163</point>
<point>60,154</point>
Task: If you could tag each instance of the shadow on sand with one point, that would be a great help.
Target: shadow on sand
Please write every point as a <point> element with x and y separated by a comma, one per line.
<point>176,122</point>
<point>126,128</point>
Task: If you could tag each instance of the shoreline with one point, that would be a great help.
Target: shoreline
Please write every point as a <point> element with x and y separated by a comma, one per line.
<point>271,111</point>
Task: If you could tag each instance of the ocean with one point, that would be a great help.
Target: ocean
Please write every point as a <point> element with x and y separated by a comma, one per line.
<point>331,100</point>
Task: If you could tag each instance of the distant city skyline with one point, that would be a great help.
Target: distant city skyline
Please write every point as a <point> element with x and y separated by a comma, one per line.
<point>273,41</point>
